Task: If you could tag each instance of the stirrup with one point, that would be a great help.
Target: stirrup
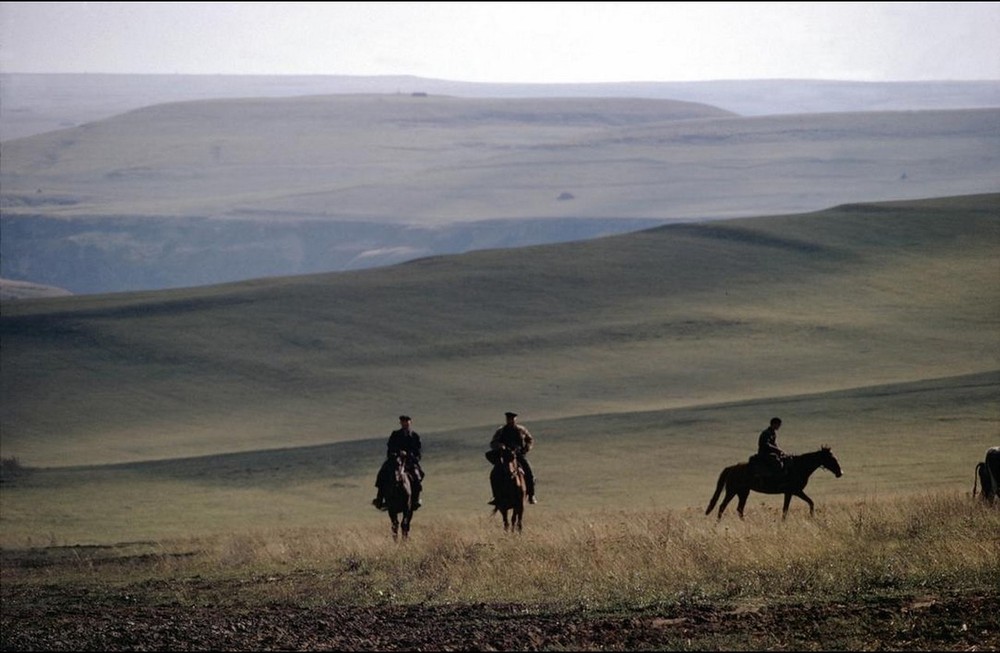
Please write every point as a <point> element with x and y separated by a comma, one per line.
<point>532,499</point>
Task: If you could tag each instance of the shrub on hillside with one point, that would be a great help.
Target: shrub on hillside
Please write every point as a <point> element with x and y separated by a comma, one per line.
<point>10,468</point>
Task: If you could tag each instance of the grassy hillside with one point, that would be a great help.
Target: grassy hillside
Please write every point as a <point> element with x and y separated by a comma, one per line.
<point>894,442</point>
<point>677,316</point>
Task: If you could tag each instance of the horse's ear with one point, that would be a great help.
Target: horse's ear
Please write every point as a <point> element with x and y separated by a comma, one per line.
<point>826,447</point>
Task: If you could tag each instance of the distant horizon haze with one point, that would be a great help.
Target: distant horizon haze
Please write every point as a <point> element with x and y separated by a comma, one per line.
<point>510,42</point>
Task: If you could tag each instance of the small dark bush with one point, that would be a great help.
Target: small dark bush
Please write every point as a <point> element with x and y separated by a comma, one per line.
<point>10,468</point>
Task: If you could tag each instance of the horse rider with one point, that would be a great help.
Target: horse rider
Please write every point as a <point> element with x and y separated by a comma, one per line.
<point>770,457</point>
<point>519,440</point>
<point>402,439</point>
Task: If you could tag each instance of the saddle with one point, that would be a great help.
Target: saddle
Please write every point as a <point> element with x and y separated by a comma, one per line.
<point>763,467</point>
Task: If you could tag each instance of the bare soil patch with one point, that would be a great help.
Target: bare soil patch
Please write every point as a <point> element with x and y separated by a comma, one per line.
<point>60,618</point>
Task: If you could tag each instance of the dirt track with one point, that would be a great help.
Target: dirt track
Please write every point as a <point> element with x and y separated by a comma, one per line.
<point>38,618</point>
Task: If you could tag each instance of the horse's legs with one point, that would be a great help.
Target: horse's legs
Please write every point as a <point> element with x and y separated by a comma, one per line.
<point>407,516</point>
<point>802,495</point>
<point>784,507</point>
<point>395,525</point>
<point>742,502</point>
<point>725,502</point>
<point>506,521</point>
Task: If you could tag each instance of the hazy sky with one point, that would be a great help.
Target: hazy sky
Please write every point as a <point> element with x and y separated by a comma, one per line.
<point>510,41</point>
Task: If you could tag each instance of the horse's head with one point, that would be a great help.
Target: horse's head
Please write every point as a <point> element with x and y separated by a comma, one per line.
<point>507,458</point>
<point>830,461</point>
<point>401,462</point>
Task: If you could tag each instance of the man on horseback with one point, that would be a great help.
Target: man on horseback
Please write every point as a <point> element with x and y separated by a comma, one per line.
<point>402,439</point>
<point>517,438</point>
<point>770,459</point>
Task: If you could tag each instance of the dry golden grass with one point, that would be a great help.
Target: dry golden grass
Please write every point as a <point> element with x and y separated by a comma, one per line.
<point>928,543</point>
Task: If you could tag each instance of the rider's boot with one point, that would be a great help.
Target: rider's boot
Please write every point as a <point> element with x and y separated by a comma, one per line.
<point>417,503</point>
<point>379,501</point>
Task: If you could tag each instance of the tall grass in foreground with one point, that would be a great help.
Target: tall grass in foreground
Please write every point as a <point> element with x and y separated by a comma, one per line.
<point>917,545</point>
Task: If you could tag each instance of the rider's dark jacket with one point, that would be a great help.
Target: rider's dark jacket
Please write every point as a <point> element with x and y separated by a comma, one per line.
<point>514,436</point>
<point>767,449</point>
<point>403,440</point>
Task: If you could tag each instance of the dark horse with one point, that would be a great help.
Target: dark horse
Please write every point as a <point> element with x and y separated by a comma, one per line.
<point>399,495</point>
<point>509,487</point>
<point>988,474</point>
<point>739,480</point>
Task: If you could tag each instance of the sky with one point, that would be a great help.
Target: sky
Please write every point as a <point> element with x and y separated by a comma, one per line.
<point>530,42</point>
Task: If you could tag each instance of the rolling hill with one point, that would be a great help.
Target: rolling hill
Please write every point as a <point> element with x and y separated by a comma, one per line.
<point>203,192</point>
<point>676,316</point>
<point>36,103</point>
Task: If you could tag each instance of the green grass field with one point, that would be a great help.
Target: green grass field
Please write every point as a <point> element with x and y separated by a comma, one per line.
<point>642,363</point>
<point>892,441</point>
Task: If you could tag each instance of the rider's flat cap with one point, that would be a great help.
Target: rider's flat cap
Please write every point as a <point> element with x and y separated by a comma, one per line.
<point>510,414</point>
<point>403,418</point>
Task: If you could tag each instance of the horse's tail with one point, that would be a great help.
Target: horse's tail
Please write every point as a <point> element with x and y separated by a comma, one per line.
<point>975,481</point>
<point>718,491</point>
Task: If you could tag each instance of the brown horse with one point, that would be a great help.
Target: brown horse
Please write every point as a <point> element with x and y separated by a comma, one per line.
<point>399,497</point>
<point>509,488</point>
<point>739,480</point>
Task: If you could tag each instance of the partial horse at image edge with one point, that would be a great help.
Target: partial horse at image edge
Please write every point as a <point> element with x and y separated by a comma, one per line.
<point>739,480</point>
<point>988,475</point>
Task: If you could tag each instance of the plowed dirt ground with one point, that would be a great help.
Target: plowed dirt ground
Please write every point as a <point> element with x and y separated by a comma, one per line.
<point>55,618</point>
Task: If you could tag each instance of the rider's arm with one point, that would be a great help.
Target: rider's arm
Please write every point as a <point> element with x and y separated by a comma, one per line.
<point>527,439</point>
<point>392,447</point>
